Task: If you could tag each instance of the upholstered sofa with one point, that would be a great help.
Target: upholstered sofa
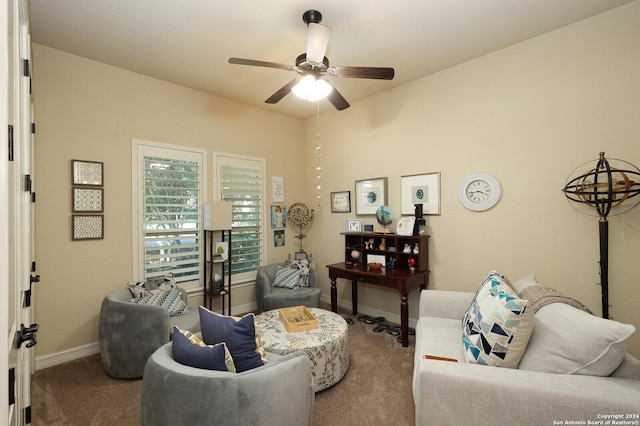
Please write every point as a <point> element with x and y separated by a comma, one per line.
<point>269,297</point>
<point>277,393</point>
<point>450,390</point>
<point>129,333</point>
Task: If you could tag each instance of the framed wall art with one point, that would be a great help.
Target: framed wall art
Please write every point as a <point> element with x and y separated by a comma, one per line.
<point>353,225</point>
<point>87,200</point>
<point>420,189</point>
<point>87,227</point>
<point>370,194</point>
<point>341,202</point>
<point>89,173</point>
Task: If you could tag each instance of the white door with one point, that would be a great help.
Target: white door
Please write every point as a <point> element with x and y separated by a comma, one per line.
<point>16,214</point>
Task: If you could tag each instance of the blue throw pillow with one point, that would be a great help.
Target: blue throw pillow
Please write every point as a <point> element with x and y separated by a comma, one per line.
<point>189,350</point>
<point>239,334</point>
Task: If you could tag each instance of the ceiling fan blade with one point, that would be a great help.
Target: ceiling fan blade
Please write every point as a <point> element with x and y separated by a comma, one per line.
<point>317,42</point>
<point>337,99</point>
<point>281,93</point>
<point>380,73</point>
<point>255,63</point>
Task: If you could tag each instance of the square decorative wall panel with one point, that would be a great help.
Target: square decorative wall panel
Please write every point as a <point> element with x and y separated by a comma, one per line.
<point>87,227</point>
<point>88,200</point>
<point>89,173</point>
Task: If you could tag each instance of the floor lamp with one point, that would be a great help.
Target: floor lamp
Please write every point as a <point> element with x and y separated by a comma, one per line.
<point>603,189</point>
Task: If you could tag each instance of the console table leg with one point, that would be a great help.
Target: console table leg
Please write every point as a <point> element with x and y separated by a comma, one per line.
<point>354,297</point>
<point>404,319</point>
<point>334,296</point>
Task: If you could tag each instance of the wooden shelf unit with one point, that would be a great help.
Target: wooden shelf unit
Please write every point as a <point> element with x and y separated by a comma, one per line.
<point>395,245</point>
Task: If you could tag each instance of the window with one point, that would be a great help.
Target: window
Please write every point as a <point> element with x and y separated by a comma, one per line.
<point>240,180</point>
<point>169,187</point>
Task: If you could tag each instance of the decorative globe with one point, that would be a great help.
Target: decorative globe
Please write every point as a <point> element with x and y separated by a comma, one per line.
<point>355,255</point>
<point>383,215</point>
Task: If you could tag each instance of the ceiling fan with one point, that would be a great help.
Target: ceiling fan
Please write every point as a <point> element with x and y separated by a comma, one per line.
<point>313,66</point>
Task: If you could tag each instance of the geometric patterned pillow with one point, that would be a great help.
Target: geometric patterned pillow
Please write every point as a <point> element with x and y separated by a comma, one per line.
<point>287,277</point>
<point>170,300</point>
<point>190,350</point>
<point>497,325</point>
<point>292,276</point>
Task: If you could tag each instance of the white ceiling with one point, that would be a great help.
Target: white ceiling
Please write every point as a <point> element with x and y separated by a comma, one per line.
<point>188,42</point>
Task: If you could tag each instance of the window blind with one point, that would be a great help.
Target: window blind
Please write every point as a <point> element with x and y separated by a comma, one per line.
<point>171,218</point>
<point>242,186</point>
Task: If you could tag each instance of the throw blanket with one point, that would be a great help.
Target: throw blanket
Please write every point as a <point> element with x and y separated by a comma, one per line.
<point>539,296</point>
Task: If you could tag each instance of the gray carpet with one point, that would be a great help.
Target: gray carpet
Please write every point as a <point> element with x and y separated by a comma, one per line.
<point>375,391</point>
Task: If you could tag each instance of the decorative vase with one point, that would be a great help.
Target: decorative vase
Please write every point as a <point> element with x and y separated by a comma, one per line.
<point>391,263</point>
<point>383,244</point>
<point>412,263</point>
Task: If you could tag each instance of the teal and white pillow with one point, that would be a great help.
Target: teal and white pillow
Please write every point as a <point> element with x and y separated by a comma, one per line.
<point>497,326</point>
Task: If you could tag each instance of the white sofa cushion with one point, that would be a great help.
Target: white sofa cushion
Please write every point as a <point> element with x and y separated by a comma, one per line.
<point>571,341</point>
<point>497,326</point>
<point>568,340</point>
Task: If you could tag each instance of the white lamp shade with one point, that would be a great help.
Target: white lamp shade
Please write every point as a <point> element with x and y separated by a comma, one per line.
<point>217,215</point>
<point>317,42</point>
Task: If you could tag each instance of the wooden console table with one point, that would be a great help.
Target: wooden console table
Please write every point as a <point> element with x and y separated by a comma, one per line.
<point>402,280</point>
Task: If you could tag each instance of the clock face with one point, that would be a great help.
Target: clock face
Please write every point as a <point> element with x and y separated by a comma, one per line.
<point>479,192</point>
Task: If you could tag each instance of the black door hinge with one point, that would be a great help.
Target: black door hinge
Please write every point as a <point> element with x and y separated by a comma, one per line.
<point>26,70</point>
<point>27,415</point>
<point>27,183</point>
<point>12,386</point>
<point>33,128</point>
<point>10,142</point>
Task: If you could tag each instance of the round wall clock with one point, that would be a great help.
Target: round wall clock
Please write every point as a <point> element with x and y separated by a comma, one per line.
<point>479,192</point>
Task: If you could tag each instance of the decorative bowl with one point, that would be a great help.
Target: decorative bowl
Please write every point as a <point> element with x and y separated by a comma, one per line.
<point>374,266</point>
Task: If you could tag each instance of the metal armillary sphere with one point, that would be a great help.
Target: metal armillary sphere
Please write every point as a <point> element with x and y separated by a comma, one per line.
<point>601,191</point>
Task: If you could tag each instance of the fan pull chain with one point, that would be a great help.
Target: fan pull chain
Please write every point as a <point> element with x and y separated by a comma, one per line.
<point>318,161</point>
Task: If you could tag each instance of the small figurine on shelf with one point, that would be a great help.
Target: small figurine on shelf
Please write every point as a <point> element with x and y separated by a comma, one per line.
<point>407,248</point>
<point>391,263</point>
<point>355,255</point>
<point>412,263</point>
<point>416,249</point>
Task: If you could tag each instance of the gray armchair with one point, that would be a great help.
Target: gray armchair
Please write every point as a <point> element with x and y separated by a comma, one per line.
<point>278,393</point>
<point>269,297</point>
<point>129,333</point>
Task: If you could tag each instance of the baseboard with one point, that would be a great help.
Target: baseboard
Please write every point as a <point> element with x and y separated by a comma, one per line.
<point>72,354</point>
<point>368,310</point>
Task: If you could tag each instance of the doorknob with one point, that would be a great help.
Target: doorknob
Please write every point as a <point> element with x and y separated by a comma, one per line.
<point>27,334</point>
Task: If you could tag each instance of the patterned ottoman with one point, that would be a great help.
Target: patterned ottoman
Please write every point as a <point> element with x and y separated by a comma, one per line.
<point>326,346</point>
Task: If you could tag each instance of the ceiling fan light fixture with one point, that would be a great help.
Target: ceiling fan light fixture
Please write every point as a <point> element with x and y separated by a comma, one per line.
<point>311,89</point>
<point>317,42</point>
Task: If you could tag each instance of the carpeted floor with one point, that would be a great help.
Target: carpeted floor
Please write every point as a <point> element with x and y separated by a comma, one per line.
<point>375,391</point>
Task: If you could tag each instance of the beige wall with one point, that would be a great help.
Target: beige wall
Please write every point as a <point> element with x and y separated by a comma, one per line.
<point>529,114</point>
<point>89,111</point>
